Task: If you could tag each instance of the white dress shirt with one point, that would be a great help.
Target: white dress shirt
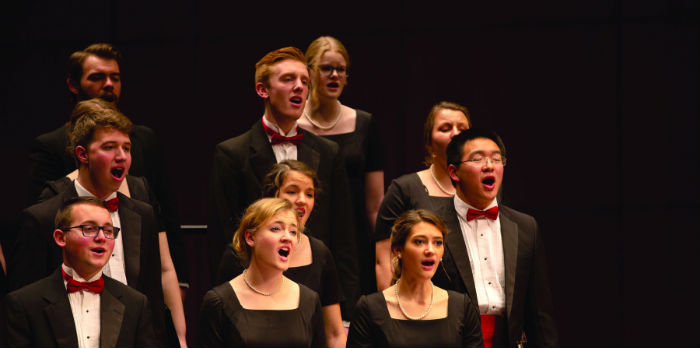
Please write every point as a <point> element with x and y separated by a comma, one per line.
<point>85,306</point>
<point>283,151</point>
<point>482,237</point>
<point>115,268</point>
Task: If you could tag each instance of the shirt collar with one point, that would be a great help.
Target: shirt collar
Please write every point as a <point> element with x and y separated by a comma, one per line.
<point>71,272</point>
<point>277,129</point>
<point>82,191</point>
<point>462,207</point>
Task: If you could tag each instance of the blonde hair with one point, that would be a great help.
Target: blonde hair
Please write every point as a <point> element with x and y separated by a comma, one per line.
<point>254,217</point>
<point>313,54</point>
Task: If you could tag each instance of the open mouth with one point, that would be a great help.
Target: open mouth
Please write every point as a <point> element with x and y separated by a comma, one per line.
<point>488,181</point>
<point>300,212</point>
<point>284,252</point>
<point>428,263</point>
<point>333,85</point>
<point>296,100</point>
<point>99,251</point>
<point>117,172</point>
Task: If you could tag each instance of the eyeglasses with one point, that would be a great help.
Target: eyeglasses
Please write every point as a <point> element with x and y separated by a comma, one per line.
<point>91,231</point>
<point>481,160</point>
<point>328,69</point>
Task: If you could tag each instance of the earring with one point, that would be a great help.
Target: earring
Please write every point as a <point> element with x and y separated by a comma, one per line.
<point>399,255</point>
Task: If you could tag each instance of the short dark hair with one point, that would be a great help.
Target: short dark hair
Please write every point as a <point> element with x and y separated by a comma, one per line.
<point>64,216</point>
<point>402,229</point>
<point>455,149</point>
<point>274,179</point>
<point>103,50</point>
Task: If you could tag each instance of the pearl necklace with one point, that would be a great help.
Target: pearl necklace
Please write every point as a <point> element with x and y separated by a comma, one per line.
<point>438,183</point>
<point>245,279</point>
<point>315,124</point>
<point>430,306</point>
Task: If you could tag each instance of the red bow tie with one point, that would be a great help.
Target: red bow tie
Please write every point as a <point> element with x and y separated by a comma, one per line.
<point>276,138</point>
<point>491,213</point>
<point>113,204</point>
<point>73,285</point>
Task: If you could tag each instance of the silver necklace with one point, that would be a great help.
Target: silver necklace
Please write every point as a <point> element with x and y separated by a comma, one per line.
<point>245,279</point>
<point>438,183</point>
<point>337,118</point>
<point>430,306</point>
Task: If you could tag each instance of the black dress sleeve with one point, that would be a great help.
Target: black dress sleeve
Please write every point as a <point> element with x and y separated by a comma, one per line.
<point>331,292</point>
<point>319,334</point>
<point>211,321</point>
<point>471,333</point>
<point>360,334</point>
<point>395,203</point>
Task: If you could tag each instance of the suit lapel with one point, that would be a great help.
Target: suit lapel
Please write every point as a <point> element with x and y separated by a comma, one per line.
<point>131,239</point>
<point>458,251</point>
<point>59,313</point>
<point>307,153</point>
<point>509,236</point>
<point>262,158</point>
<point>111,317</point>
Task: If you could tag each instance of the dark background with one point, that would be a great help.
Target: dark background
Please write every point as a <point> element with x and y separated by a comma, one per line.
<point>597,102</point>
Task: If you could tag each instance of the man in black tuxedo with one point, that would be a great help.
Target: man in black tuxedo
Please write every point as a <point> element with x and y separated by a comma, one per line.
<point>240,164</point>
<point>78,306</point>
<point>101,144</point>
<point>494,253</point>
<point>94,72</point>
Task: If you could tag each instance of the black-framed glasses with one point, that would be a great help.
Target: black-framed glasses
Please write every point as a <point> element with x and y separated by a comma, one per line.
<point>91,230</point>
<point>481,160</point>
<point>328,70</point>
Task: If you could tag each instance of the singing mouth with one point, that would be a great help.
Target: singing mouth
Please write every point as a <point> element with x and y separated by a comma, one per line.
<point>283,251</point>
<point>488,181</point>
<point>99,251</point>
<point>296,100</point>
<point>117,172</point>
<point>428,263</point>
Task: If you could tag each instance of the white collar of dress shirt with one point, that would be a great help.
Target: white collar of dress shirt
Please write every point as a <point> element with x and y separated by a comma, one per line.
<point>462,207</point>
<point>82,191</point>
<point>277,129</point>
<point>71,272</point>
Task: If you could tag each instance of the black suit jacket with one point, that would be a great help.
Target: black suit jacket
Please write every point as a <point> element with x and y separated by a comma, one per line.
<point>39,315</point>
<point>528,298</point>
<point>35,254</point>
<point>241,163</point>
<point>49,159</point>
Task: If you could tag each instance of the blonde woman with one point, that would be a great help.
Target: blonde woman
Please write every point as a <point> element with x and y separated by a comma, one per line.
<point>262,307</point>
<point>355,132</point>
<point>312,263</point>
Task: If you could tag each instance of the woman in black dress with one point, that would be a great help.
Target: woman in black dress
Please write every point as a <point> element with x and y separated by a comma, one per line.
<point>414,312</point>
<point>261,307</point>
<point>312,263</point>
<point>429,189</point>
<point>355,132</point>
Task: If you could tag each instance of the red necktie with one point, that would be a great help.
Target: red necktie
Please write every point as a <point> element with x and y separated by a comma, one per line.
<point>491,213</point>
<point>113,204</point>
<point>73,285</point>
<point>276,138</point>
